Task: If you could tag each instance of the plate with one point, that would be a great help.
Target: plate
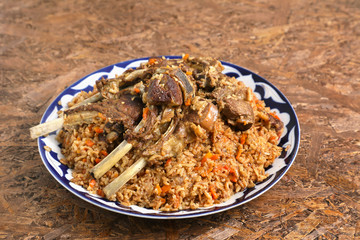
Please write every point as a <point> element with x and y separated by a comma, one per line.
<point>263,89</point>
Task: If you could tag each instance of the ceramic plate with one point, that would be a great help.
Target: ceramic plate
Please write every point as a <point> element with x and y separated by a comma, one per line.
<point>263,89</point>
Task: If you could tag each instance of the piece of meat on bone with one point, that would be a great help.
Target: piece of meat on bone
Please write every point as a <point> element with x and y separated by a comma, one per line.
<point>186,85</point>
<point>207,71</point>
<point>202,112</point>
<point>233,106</point>
<point>109,88</point>
<point>164,90</point>
<point>126,109</point>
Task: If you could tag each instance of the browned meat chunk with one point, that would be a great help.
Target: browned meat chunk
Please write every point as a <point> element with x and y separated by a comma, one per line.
<point>238,113</point>
<point>164,90</point>
<point>276,123</point>
<point>203,113</point>
<point>127,109</point>
<point>186,85</point>
<point>231,101</point>
<point>109,88</point>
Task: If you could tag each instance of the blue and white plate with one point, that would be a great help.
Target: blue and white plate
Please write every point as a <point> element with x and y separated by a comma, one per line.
<point>263,89</point>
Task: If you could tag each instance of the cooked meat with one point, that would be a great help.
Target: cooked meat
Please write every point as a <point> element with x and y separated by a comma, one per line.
<point>276,123</point>
<point>206,71</point>
<point>109,88</point>
<point>151,121</point>
<point>187,87</point>
<point>127,109</point>
<point>237,112</point>
<point>164,90</point>
<point>232,103</point>
<point>203,113</point>
<point>229,90</point>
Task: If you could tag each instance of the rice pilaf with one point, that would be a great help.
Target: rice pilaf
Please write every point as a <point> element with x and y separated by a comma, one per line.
<point>210,166</point>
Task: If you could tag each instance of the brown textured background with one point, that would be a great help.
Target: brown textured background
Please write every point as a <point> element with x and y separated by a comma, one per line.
<point>309,49</point>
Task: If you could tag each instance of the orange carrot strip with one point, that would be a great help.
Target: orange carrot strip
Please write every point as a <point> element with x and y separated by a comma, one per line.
<point>98,130</point>
<point>104,152</point>
<point>213,193</point>
<point>152,61</point>
<point>243,138</point>
<point>239,154</point>
<point>145,113</point>
<point>274,115</point>
<point>92,183</point>
<point>186,56</point>
<point>158,189</point>
<point>165,188</point>
<point>89,143</point>
<point>136,90</point>
<point>100,192</point>
<point>101,116</point>
<point>168,162</point>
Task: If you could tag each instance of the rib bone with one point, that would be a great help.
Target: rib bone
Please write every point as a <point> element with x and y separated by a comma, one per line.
<point>53,125</point>
<point>120,181</point>
<point>107,163</point>
<point>110,160</point>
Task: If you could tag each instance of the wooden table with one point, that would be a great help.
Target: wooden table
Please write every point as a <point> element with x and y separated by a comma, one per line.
<point>309,49</point>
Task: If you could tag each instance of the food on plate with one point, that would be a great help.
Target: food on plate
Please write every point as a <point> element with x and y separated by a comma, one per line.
<point>171,134</point>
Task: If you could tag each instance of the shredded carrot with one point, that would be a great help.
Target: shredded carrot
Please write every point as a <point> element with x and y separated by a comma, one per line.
<point>92,183</point>
<point>274,115</point>
<point>98,130</point>
<point>189,73</point>
<point>243,138</point>
<point>273,139</point>
<point>239,153</point>
<point>188,102</point>
<point>213,193</point>
<point>145,113</point>
<point>165,188</point>
<point>232,176</point>
<point>186,56</point>
<point>97,160</point>
<point>206,157</point>
<point>104,152</point>
<point>84,159</point>
<point>101,116</point>
<point>100,192</point>
<point>158,189</point>
<point>162,200</point>
<point>78,138</point>
<point>136,90</point>
<point>168,162</point>
<point>209,155</point>
<point>152,61</point>
<point>197,168</point>
<point>89,143</point>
